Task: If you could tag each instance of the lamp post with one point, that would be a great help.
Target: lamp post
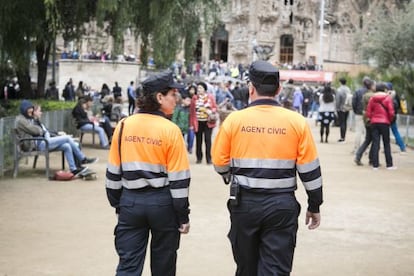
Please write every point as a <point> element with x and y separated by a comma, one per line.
<point>321,23</point>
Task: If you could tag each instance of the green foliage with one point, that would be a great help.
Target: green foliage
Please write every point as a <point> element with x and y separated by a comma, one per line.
<point>402,80</point>
<point>389,39</point>
<point>31,26</point>
<point>13,106</point>
<point>391,45</point>
<point>163,26</point>
<point>350,82</point>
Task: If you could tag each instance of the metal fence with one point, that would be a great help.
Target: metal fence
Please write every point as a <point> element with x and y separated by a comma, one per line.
<point>60,120</point>
<point>406,128</point>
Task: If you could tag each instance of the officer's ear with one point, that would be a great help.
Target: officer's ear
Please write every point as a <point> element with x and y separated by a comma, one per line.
<point>252,89</point>
<point>158,97</point>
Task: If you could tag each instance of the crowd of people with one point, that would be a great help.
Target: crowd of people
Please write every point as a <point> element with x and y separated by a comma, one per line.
<point>151,166</point>
<point>96,55</point>
<point>202,105</point>
<point>373,107</point>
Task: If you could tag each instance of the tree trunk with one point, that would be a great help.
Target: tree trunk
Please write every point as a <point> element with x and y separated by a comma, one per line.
<point>42,55</point>
<point>26,91</point>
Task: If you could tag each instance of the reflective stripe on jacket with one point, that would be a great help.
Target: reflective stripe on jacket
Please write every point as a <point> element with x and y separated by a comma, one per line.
<point>264,146</point>
<point>154,155</point>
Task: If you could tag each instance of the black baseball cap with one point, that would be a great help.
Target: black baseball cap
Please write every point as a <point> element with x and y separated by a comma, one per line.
<point>160,82</point>
<point>263,73</point>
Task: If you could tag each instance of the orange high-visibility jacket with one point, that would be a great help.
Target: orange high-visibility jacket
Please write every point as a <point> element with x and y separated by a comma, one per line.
<point>264,146</point>
<point>153,154</point>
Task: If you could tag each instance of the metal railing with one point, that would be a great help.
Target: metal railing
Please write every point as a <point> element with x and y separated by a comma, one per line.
<point>405,125</point>
<point>60,120</point>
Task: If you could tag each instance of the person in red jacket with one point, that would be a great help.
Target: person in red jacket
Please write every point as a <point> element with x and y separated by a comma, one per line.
<point>203,110</point>
<point>380,112</point>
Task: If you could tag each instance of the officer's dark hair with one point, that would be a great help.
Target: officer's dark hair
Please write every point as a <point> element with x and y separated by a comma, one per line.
<point>265,78</point>
<point>267,88</point>
<point>342,81</point>
<point>148,100</point>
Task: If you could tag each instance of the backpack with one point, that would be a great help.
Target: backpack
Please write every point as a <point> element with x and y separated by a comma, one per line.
<point>65,93</point>
<point>348,102</point>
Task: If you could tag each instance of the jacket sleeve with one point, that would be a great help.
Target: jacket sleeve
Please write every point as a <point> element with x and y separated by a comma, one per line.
<point>113,180</point>
<point>80,116</point>
<point>178,168</point>
<point>355,100</point>
<point>193,117</point>
<point>213,103</point>
<point>24,125</point>
<point>309,170</point>
<point>368,111</point>
<point>390,107</point>
<point>220,151</point>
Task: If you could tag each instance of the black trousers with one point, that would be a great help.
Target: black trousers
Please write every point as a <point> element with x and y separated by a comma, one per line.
<point>263,233</point>
<point>203,129</point>
<point>342,119</point>
<point>378,131</point>
<point>365,145</point>
<point>131,105</point>
<point>142,212</point>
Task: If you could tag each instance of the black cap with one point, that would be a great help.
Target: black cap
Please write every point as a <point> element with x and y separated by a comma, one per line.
<point>160,82</point>
<point>263,73</point>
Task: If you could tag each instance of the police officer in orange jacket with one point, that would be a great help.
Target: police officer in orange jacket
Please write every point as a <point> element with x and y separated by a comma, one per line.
<point>147,181</point>
<point>260,150</point>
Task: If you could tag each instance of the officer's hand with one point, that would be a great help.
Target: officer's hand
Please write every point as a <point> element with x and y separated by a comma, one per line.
<point>313,220</point>
<point>184,228</point>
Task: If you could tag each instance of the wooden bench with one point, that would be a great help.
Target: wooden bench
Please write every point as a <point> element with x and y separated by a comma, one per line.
<point>19,153</point>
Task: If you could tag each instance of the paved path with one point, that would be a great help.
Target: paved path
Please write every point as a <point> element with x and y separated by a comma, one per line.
<point>65,228</point>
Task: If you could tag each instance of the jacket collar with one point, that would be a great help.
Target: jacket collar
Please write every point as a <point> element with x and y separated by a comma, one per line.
<point>159,113</point>
<point>264,102</point>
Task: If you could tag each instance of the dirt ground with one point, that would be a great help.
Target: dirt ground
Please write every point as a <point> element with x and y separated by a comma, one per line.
<point>66,228</point>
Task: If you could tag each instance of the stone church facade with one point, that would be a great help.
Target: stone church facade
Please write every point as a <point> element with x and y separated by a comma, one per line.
<point>282,31</point>
<point>288,31</point>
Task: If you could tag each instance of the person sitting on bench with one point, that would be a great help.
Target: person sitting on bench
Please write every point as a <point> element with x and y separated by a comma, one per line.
<point>85,123</point>
<point>28,124</point>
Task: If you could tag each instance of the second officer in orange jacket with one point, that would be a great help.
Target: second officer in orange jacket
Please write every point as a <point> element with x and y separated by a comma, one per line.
<point>262,148</point>
<point>147,181</point>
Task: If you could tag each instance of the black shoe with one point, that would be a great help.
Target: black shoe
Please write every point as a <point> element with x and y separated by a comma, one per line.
<point>358,162</point>
<point>198,162</point>
<point>79,170</point>
<point>208,162</point>
<point>90,160</point>
<point>341,140</point>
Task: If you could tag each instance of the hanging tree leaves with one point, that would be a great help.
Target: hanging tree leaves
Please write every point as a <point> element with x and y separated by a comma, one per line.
<point>391,45</point>
<point>163,26</point>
